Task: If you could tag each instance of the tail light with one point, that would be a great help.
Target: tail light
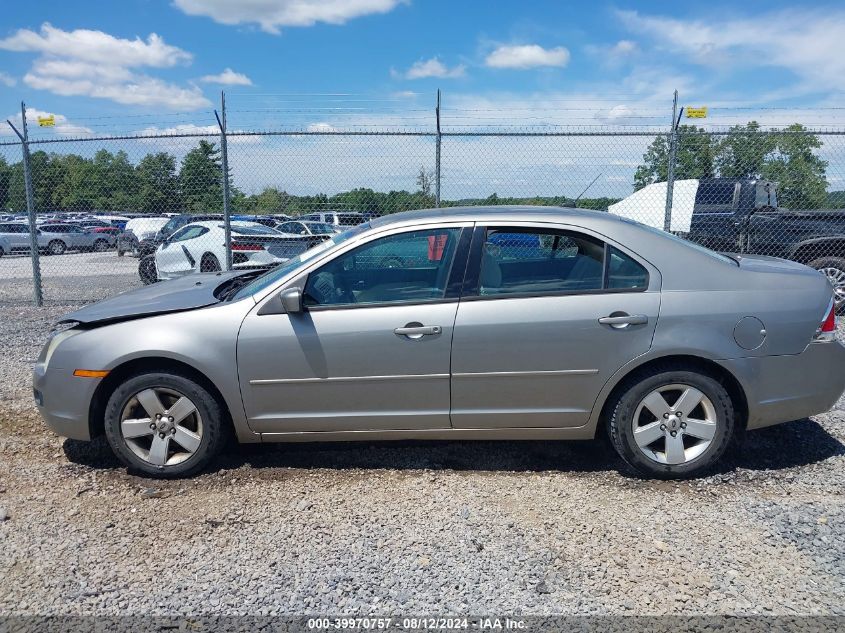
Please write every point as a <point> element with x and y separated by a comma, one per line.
<point>827,330</point>
<point>245,246</point>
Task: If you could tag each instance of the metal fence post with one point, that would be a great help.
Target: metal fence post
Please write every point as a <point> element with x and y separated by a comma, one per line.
<point>224,166</point>
<point>30,209</point>
<point>437,156</point>
<point>670,172</point>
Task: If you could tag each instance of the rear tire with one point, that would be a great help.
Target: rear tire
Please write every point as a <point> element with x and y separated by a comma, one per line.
<point>667,443</point>
<point>181,444</point>
<point>834,269</point>
<point>209,264</point>
<point>101,246</point>
<point>56,247</point>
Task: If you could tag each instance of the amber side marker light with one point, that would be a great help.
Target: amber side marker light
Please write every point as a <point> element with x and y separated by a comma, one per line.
<point>91,373</point>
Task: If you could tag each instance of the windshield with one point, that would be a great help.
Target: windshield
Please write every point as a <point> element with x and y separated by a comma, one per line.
<point>270,277</point>
<point>172,224</point>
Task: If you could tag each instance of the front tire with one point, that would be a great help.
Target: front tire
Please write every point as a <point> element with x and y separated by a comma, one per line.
<point>834,269</point>
<point>164,425</point>
<point>147,270</point>
<point>56,247</point>
<point>101,246</point>
<point>671,423</point>
<point>209,264</point>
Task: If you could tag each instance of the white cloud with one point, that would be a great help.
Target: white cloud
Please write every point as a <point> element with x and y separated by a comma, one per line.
<point>624,47</point>
<point>97,47</point>
<point>62,126</point>
<point>799,41</point>
<point>7,80</point>
<point>322,126</point>
<point>431,68</point>
<point>270,15</point>
<point>527,56</point>
<point>135,89</point>
<point>232,138</point>
<point>227,78</point>
<point>95,64</point>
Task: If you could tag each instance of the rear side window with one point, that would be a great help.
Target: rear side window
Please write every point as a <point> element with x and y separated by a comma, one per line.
<point>539,262</point>
<point>624,272</point>
<point>519,261</point>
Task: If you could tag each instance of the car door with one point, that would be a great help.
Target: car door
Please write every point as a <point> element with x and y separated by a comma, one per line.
<point>172,257</point>
<point>549,313</point>
<point>371,348</point>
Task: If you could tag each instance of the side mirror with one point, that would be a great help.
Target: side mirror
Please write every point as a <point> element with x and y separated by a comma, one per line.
<point>292,300</point>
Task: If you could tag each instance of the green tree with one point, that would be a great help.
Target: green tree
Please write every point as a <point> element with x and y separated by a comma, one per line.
<point>5,183</point>
<point>117,181</point>
<point>200,180</point>
<point>743,152</point>
<point>158,184</point>
<point>694,158</point>
<point>800,174</point>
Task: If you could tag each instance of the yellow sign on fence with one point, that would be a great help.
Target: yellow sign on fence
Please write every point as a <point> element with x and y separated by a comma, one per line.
<point>697,113</point>
<point>47,121</point>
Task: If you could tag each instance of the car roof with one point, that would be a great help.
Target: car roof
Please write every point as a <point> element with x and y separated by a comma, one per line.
<point>210,224</point>
<point>503,213</point>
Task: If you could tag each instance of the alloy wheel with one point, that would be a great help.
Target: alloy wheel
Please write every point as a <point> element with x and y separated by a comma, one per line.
<point>836,277</point>
<point>161,426</point>
<point>674,424</point>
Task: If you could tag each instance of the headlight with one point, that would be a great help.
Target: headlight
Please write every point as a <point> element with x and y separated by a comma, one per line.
<point>61,326</point>
<point>56,337</point>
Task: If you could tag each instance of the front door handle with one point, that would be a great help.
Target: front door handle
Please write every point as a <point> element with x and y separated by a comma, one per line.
<point>619,321</point>
<point>417,331</point>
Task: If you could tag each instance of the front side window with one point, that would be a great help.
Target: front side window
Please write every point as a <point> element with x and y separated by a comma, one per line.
<point>406,267</point>
<point>539,261</point>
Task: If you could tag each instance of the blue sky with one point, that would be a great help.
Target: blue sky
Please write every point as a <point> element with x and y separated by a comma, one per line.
<point>158,65</point>
<point>162,57</point>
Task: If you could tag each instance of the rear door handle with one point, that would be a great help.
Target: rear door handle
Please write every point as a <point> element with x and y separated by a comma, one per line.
<point>623,320</point>
<point>418,331</point>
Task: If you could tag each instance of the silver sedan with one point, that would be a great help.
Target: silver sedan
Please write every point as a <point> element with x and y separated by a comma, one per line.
<point>510,323</point>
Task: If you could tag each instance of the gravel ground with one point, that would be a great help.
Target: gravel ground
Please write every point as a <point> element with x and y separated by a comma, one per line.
<point>380,528</point>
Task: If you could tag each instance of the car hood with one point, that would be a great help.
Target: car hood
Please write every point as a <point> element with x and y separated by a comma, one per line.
<point>185,293</point>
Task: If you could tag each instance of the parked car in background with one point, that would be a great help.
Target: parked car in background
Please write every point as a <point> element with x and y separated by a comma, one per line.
<point>138,234</point>
<point>200,247</point>
<point>91,223</point>
<point>17,234</point>
<point>5,245</point>
<point>673,349</point>
<point>336,218</point>
<point>296,227</point>
<point>741,215</point>
<point>110,233</point>
<point>178,221</point>
<point>71,237</point>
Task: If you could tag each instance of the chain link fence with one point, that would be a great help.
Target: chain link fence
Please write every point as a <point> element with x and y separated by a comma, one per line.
<point>113,213</point>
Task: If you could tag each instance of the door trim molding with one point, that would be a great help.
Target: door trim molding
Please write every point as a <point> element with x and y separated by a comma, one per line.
<point>284,381</point>
<point>526,374</point>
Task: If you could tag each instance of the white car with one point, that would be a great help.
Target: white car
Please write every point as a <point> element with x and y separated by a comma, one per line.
<point>201,247</point>
<point>138,231</point>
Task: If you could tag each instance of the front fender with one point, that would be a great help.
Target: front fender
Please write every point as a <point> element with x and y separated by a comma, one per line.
<point>205,339</point>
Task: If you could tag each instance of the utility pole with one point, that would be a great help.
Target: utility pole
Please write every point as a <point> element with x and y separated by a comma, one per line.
<point>224,166</point>
<point>30,208</point>
<point>670,174</point>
